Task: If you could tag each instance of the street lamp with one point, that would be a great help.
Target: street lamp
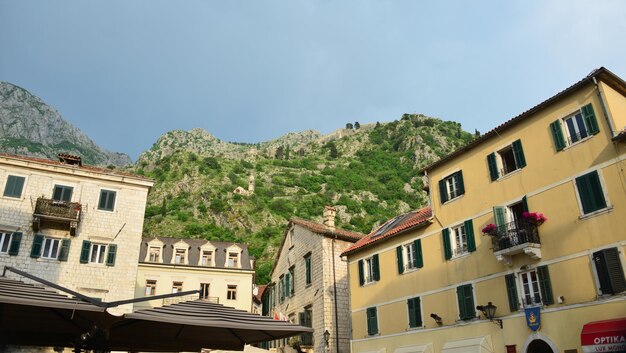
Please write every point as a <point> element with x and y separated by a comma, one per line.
<point>326,337</point>
<point>489,311</point>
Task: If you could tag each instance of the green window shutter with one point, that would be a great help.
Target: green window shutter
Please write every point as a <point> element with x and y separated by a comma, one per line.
<point>609,271</point>
<point>376,267</point>
<point>460,296</point>
<point>287,284</point>
<point>557,135</point>
<point>35,250</point>
<point>443,191</point>
<point>499,216</point>
<point>307,262</point>
<point>415,315</point>
<point>544,285</point>
<point>14,186</point>
<point>511,291</point>
<point>112,252</point>
<point>447,249</point>
<point>65,249</point>
<point>84,252</point>
<point>493,167</point>
<point>361,274</point>
<point>411,308</point>
<point>16,239</point>
<point>459,176</point>
<point>590,119</point>
<point>469,233</point>
<point>372,323</point>
<point>466,302</point>
<point>590,192</point>
<point>518,154</point>
<point>525,203</point>
<point>400,259</point>
<point>419,258</point>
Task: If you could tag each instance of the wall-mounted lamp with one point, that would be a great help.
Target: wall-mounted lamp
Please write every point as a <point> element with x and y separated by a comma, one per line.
<point>489,311</point>
<point>437,318</point>
<point>326,337</point>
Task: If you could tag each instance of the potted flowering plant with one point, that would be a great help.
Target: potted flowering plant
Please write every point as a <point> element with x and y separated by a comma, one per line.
<point>535,218</point>
<point>490,229</point>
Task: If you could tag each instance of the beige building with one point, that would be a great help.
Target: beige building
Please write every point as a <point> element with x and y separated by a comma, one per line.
<point>71,224</point>
<point>310,285</point>
<point>527,220</point>
<point>222,271</point>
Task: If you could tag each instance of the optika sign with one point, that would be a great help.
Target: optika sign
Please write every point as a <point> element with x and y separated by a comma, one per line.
<point>609,340</point>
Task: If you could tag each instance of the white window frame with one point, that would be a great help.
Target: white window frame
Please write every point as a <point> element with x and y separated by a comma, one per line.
<point>205,288</point>
<point>409,255</point>
<point>609,206</point>
<point>180,246</point>
<point>64,183</point>
<point>154,250</point>
<point>100,196</point>
<point>49,255</point>
<point>233,249</point>
<point>210,257</point>
<point>5,240</point>
<point>177,288</point>
<point>100,253</point>
<point>368,270</point>
<point>452,186</point>
<point>150,289</point>
<point>456,240</point>
<point>532,287</point>
<point>6,180</point>
<point>180,256</point>
<point>233,264</point>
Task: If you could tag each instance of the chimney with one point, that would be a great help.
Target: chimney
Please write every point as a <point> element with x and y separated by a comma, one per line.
<point>329,217</point>
<point>66,158</point>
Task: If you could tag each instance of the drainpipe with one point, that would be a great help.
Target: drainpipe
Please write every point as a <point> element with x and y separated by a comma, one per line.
<point>335,294</point>
<point>430,195</point>
<point>607,115</point>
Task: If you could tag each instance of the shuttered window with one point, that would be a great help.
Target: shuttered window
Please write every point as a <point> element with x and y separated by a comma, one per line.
<point>545,285</point>
<point>574,127</point>
<point>372,321</point>
<point>511,291</point>
<point>307,266</point>
<point>451,186</point>
<point>14,186</point>
<point>107,200</point>
<point>609,271</point>
<point>415,312</point>
<point>465,298</point>
<point>590,192</point>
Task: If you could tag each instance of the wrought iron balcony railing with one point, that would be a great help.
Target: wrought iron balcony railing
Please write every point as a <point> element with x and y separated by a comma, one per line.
<point>513,234</point>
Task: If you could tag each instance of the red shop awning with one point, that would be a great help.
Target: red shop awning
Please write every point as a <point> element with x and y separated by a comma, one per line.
<point>607,336</point>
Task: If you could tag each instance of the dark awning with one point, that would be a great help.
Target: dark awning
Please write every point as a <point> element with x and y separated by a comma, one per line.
<point>607,336</point>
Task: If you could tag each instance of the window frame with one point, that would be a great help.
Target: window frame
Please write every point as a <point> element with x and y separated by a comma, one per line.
<point>106,207</point>
<point>292,281</point>
<point>150,289</point>
<point>210,257</point>
<point>579,199</point>
<point>497,163</point>
<point>43,248</point>
<point>308,275</point>
<point>231,292</point>
<point>367,321</point>
<point>5,241</point>
<point>177,286</point>
<point>101,253</point>
<point>64,188</point>
<point>457,249</point>
<point>566,128</point>
<point>6,186</point>
<point>234,264</point>
<point>536,289</point>
<point>157,252</point>
<point>182,259</point>
<point>452,184</point>
<point>561,134</point>
<point>419,311</point>
<point>596,275</point>
<point>368,270</point>
<point>473,307</point>
<point>205,290</point>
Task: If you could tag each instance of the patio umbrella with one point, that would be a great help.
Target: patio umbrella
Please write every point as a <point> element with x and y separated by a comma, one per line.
<point>190,326</point>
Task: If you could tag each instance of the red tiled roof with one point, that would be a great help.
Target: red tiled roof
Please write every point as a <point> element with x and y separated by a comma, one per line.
<point>602,73</point>
<point>323,230</point>
<point>82,167</point>
<point>261,289</point>
<point>405,222</point>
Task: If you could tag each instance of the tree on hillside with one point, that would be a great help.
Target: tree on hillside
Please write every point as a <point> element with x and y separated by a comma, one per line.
<point>349,126</point>
<point>476,133</point>
<point>357,125</point>
<point>287,152</point>
<point>279,153</point>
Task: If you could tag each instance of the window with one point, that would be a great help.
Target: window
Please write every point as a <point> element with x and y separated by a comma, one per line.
<point>536,287</point>
<point>14,186</point>
<point>62,193</point>
<point>609,271</point>
<point>307,266</point>
<point>150,287</point>
<point>415,312</point>
<point>574,128</point>
<point>281,289</point>
<point>465,298</point>
<point>506,160</point>
<point>107,200</point>
<point>409,256</point>
<point>204,290</point>
<point>459,240</point>
<point>5,242</point>
<point>590,193</point>
<point>206,258</point>
<point>372,321</point>
<point>306,320</point>
<point>231,294</point>
<point>451,187</point>
<point>179,256</point>
<point>233,259</point>
<point>511,291</point>
<point>155,254</point>
<point>50,248</point>
<point>369,270</point>
<point>177,287</point>
<point>97,253</point>
<point>292,283</point>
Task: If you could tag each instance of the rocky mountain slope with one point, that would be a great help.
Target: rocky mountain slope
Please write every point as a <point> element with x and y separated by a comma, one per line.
<point>30,127</point>
<point>203,185</point>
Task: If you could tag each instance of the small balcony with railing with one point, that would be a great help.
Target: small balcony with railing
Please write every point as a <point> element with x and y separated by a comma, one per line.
<point>62,213</point>
<point>306,339</point>
<point>517,237</point>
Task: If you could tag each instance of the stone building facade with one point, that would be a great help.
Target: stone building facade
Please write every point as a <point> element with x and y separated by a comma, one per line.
<point>309,284</point>
<point>74,225</point>
<point>222,271</point>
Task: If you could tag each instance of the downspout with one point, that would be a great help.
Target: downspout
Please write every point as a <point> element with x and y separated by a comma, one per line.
<point>607,115</point>
<point>335,294</point>
<point>430,196</point>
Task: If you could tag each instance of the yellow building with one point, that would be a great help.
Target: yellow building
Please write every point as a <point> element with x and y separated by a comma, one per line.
<point>426,281</point>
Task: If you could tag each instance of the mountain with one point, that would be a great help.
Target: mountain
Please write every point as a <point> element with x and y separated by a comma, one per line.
<point>28,126</point>
<point>368,172</point>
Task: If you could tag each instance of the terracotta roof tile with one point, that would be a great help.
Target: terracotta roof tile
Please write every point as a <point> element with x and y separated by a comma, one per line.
<point>322,229</point>
<point>394,226</point>
<point>82,167</point>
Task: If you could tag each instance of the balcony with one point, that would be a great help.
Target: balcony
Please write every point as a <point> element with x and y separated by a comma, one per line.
<point>518,237</point>
<point>60,212</point>
<point>306,339</point>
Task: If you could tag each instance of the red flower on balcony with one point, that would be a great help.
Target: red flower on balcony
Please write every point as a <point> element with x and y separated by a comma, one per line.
<point>490,229</point>
<point>535,218</point>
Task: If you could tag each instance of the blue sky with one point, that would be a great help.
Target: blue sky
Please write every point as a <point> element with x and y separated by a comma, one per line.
<point>126,72</point>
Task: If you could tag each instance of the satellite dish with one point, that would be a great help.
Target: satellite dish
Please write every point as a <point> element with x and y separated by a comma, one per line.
<point>255,290</point>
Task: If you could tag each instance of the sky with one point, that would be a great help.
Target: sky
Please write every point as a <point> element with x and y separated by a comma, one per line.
<point>127,71</point>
